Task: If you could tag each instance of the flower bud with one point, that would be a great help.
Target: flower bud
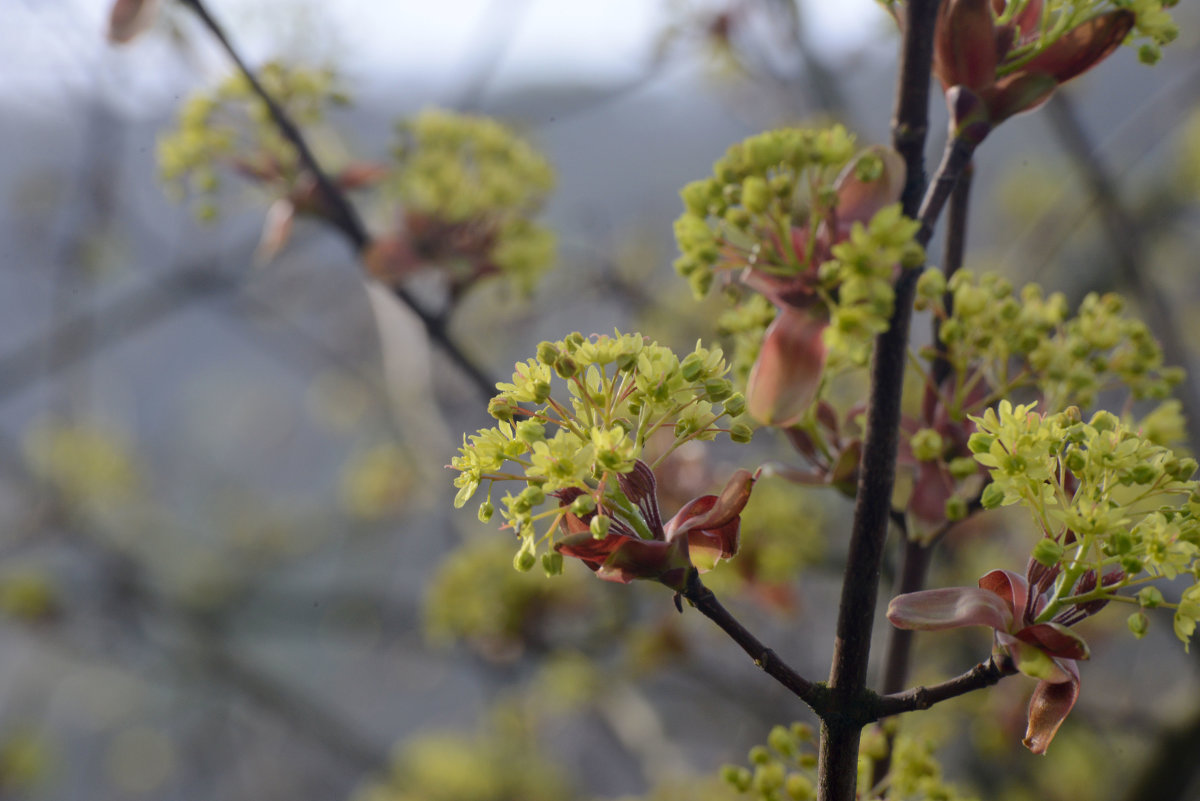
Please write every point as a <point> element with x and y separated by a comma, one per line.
<point>755,194</point>
<point>927,445</point>
<point>583,505</point>
<point>531,431</point>
<point>740,432</point>
<point>718,389</point>
<point>566,367</point>
<point>737,776</point>
<point>552,563</point>
<point>992,497</point>
<point>502,408</point>
<point>1149,597</point>
<point>735,404</point>
<point>962,467</point>
<point>547,352</point>
<point>486,510</point>
<point>599,526</point>
<point>524,560</point>
<point>799,787</point>
<point>956,509</point>
<point>1048,552</point>
<point>781,740</point>
<point>1138,624</point>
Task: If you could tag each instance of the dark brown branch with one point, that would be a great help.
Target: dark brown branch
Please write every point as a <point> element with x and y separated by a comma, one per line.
<point>914,566</point>
<point>915,556</point>
<point>952,259</point>
<point>838,767</point>
<point>339,211</point>
<point>702,598</point>
<point>126,316</point>
<point>985,674</point>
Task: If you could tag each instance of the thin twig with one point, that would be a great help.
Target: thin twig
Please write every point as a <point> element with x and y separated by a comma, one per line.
<point>339,210</point>
<point>985,674</point>
<point>702,598</point>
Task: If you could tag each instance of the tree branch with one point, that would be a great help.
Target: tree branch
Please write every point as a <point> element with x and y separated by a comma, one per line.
<point>915,555</point>
<point>340,212</point>
<point>702,598</point>
<point>985,674</point>
<point>840,732</point>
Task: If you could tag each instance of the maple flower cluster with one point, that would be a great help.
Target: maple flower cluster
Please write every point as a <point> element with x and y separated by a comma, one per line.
<point>1117,513</point>
<point>582,457</point>
<point>812,226</point>
<point>469,189</point>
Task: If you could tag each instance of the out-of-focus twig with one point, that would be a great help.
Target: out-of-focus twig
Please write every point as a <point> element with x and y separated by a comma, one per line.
<point>339,210</point>
<point>1128,248</point>
<point>197,647</point>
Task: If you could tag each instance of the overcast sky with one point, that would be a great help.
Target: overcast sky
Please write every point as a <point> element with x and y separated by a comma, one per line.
<point>49,45</point>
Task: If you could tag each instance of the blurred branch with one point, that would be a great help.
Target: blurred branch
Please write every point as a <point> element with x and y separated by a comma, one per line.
<point>132,599</point>
<point>492,36</point>
<point>1124,239</point>
<point>340,212</point>
<point>79,337</point>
